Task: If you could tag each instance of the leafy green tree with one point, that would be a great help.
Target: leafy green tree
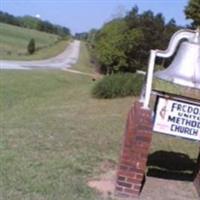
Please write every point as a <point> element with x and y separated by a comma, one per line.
<point>133,40</point>
<point>192,11</point>
<point>109,46</point>
<point>31,46</point>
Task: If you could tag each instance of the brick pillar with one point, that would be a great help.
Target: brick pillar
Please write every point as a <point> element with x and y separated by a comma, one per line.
<point>134,152</point>
<point>197,178</point>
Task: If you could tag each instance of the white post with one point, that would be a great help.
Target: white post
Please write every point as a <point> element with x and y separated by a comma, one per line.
<point>149,79</point>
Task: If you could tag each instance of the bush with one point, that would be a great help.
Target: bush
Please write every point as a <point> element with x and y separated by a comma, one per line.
<point>118,85</point>
<point>31,46</point>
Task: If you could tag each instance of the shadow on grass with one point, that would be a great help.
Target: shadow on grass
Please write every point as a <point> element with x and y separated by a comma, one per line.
<point>171,165</point>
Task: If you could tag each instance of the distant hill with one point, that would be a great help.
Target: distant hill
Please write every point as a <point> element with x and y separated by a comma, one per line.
<point>34,23</point>
<point>14,40</point>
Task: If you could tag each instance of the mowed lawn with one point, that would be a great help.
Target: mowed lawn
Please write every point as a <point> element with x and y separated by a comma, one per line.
<point>54,136</point>
<point>14,41</point>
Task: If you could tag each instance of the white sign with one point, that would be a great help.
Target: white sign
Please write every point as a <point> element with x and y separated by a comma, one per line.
<point>177,118</point>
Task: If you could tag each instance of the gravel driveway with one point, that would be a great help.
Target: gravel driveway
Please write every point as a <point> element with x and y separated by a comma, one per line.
<point>63,61</point>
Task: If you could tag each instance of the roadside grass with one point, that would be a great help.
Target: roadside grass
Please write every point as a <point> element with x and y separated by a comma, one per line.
<point>54,136</point>
<point>14,41</point>
<point>84,64</point>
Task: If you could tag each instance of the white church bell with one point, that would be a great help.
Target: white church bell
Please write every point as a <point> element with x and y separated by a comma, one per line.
<point>185,67</point>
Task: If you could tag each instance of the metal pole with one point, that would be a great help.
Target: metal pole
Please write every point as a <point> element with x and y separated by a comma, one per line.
<point>149,79</point>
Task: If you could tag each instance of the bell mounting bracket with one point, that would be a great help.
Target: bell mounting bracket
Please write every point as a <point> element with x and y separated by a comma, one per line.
<point>190,35</point>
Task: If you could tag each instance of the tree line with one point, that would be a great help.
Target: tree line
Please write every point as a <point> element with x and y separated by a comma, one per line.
<point>123,44</point>
<point>34,23</point>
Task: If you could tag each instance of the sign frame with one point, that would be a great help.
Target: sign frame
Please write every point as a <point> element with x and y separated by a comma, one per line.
<point>176,124</point>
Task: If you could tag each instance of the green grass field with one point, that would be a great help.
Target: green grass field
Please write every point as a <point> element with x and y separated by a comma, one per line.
<point>54,136</point>
<point>14,41</point>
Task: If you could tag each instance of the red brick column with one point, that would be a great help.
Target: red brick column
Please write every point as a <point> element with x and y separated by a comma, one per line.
<point>197,178</point>
<point>134,153</point>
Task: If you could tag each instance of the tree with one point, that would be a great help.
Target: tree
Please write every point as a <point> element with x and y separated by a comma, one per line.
<point>109,46</point>
<point>192,11</point>
<point>31,46</point>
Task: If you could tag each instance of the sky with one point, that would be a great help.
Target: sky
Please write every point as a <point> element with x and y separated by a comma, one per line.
<point>83,15</point>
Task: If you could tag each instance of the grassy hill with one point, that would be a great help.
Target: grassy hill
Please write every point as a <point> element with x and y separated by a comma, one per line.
<point>14,41</point>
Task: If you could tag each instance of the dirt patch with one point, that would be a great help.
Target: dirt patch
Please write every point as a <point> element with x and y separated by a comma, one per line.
<point>154,188</point>
<point>105,184</point>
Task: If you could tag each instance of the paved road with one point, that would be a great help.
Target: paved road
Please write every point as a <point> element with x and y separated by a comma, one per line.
<point>63,61</point>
